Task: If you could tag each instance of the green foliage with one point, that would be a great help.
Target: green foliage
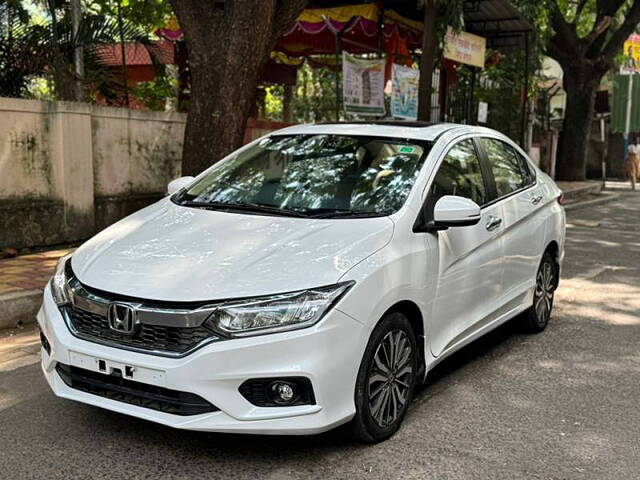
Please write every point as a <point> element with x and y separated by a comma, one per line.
<point>273,102</point>
<point>584,13</point>
<point>314,98</point>
<point>40,88</point>
<point>155,94</point>
<point>26,52</point>
<point>22,47</point>
<point>146,14</point>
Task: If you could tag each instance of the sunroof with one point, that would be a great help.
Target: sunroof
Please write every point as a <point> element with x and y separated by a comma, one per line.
<point>393,123</point>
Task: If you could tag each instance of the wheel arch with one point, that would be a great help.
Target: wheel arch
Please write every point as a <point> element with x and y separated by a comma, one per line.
<point>554,250</point>
<point>411,310</point>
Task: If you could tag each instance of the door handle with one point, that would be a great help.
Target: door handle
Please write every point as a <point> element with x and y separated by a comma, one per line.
<point>536,199</point>
<point>493,223</point>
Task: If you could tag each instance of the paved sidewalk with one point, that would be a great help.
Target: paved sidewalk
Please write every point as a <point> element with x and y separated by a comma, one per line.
<point>22,280</point>
<point>28,272</point>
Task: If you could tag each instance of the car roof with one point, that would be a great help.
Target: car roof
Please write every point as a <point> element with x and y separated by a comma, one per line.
<point>379,128</point>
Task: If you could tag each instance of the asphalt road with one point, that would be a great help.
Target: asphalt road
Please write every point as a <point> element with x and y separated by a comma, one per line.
<point>560,405</point>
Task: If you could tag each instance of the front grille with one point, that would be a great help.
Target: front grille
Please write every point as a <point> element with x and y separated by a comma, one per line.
<point>153,338</point>
<point>134,393</point>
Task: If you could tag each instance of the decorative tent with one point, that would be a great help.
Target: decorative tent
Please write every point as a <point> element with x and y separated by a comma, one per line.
<point>382,27</point>
<point>363,28</point>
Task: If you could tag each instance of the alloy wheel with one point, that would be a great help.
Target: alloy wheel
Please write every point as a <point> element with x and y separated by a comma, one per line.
<point>390,378</point>
<point>543,300</point>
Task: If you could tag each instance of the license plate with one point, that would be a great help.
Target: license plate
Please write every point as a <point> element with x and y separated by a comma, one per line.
<point>119,369</point>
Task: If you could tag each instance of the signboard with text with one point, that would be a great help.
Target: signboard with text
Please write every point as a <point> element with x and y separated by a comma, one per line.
<point>463,47</point>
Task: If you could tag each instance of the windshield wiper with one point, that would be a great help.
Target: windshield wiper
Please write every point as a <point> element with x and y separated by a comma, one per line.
<point>349,214</point>
<point>245,207</point>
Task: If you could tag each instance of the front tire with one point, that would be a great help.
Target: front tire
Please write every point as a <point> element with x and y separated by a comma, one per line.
<point>536,319</point>
<point>386,379</point>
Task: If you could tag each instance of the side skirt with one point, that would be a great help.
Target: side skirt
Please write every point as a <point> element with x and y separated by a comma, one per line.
<point>508,311</point>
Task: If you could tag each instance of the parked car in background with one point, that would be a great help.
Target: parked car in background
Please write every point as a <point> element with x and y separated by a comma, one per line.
<point>310,279</point>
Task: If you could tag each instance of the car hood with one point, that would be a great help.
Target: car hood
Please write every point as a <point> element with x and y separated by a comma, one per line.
<point>174,253</point>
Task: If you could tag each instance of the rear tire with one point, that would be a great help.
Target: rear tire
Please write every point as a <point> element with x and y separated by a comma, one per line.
<point>386,379</point>
<point>536,318</point>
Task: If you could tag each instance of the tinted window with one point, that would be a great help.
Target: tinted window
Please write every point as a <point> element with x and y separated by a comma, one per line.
<point>509,171</point>
<point>530,173</point>
<point>460,175</point>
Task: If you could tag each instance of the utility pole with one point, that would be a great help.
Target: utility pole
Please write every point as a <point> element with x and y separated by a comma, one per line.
<point>78,52</point>
<point>627,122</point>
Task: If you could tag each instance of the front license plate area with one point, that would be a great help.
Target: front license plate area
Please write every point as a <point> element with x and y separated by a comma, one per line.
<point>118,369</point>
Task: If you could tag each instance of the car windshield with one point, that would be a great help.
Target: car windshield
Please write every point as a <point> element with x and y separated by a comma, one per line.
<point>313,175</point>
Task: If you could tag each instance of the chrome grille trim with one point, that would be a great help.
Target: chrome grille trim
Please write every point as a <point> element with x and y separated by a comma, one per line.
<point>122,343</point>
<point>161,330</point>
<point>166,317</point>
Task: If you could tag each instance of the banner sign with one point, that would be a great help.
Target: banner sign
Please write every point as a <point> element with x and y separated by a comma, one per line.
<point>625,111</point>
<point>483,112</point>
<point>631,63</point>
<point>404,93</point>
<point>465,48</point>
<point>363,86</point>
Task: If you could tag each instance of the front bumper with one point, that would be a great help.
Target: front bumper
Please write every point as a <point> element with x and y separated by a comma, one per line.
<point>328,353</point>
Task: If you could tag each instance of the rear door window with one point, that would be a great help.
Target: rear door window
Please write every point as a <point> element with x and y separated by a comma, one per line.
<point>510,171</point>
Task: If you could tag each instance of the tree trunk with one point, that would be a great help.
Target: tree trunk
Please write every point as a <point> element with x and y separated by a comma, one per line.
<point>64,88</point>
<point>427,59</point>
<point>287,114</point>
<point>228,43</point>
<point>581,87</point>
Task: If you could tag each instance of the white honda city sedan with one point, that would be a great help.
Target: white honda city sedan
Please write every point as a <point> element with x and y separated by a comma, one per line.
<point>308,280</point>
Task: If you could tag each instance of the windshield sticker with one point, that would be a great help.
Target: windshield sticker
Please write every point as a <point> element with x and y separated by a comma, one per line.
<point>407,150</point>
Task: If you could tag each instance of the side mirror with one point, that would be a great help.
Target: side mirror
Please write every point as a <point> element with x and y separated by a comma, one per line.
<point>177,184</point>
<point>451,211</point>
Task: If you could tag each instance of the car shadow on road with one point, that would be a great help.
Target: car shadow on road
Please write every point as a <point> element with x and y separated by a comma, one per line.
<point>234,447</point>
<point>491,345</point>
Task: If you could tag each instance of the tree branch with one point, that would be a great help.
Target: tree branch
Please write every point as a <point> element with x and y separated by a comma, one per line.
<point>579,8</point>
<point>286,13</point>
<point>598,29</point>
<point>565,38</point>
<point>607,8</point>
<point>618,38</point>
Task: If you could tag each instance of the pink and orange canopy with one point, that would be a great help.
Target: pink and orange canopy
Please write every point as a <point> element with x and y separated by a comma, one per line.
<point>362,28</point>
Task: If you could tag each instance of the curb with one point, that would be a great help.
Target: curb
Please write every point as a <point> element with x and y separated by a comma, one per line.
<point>19,308</point>
<point>606,197</point>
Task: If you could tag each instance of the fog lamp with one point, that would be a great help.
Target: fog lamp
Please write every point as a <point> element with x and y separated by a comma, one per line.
<point>278,392</point>
<point>282,392</point>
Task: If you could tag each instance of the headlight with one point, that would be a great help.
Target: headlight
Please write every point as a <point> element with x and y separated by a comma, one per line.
<point>59,282</point>
<point>277,313</point>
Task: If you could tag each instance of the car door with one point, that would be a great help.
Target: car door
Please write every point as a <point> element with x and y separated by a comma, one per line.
<point>523,231</point>
<point>469,267</point>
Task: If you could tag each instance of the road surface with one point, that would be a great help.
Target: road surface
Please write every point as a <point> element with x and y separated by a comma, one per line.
<point>564,404</point>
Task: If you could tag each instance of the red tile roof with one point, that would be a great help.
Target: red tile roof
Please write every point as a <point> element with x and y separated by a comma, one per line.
<point>136,54</point>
